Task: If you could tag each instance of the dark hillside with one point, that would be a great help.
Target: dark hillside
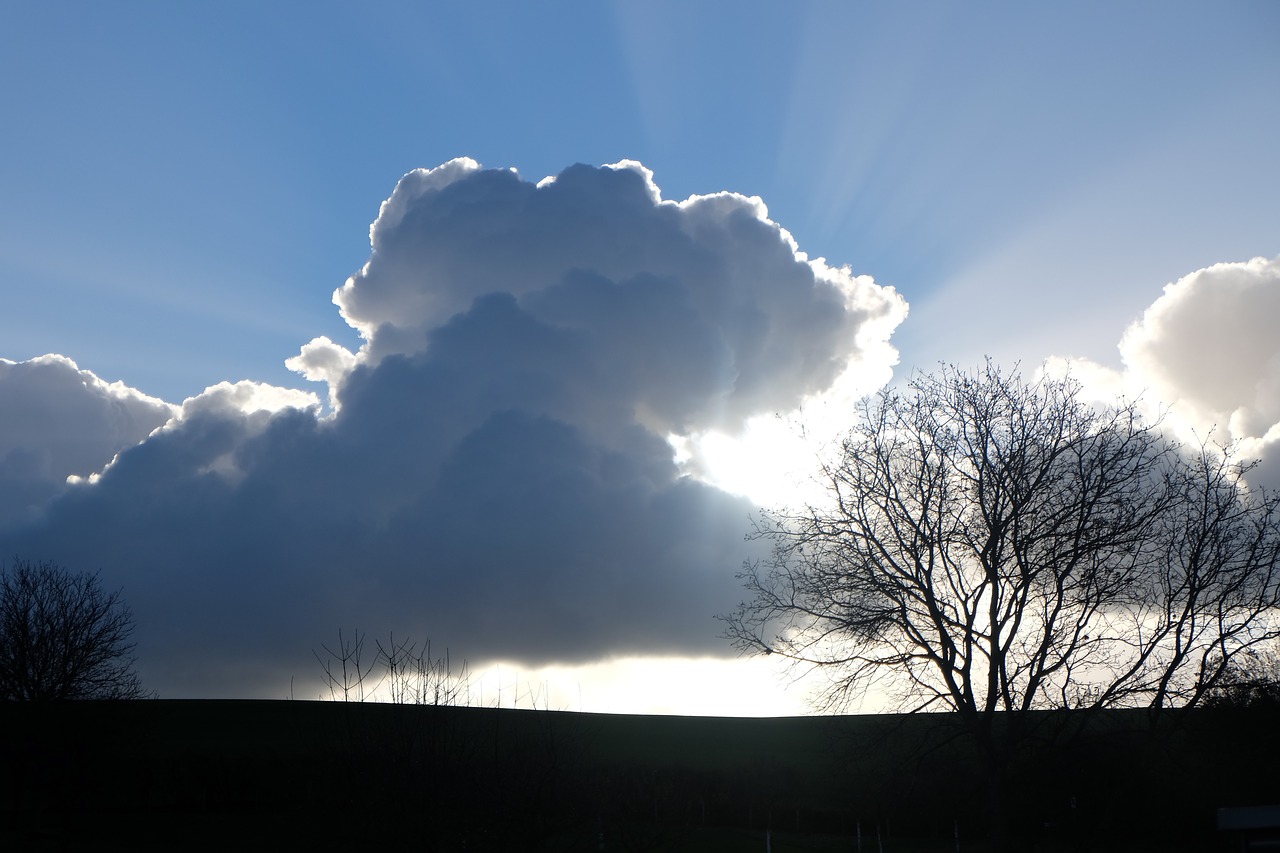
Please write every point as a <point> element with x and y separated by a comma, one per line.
<point>278,775</point>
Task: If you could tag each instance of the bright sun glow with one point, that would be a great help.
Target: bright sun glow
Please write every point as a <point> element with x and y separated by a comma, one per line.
<point>776,461</point>
<point>771,462</point>
<point>744,687</point>
<point>708,687</point>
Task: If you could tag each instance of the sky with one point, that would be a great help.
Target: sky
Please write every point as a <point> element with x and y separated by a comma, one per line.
<point>496,323</point>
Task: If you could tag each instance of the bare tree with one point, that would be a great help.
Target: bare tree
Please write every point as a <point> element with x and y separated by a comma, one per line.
<point>408,670</point>
<point>63,637</point>
<point>416,677</point>
<point>994,546</point>
<point>346,669</point>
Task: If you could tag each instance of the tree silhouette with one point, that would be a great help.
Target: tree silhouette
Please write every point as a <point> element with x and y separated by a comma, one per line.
<point>1252,680</point>
<point>409,672</point>
<point>995,547</point>
<point>63,637</point>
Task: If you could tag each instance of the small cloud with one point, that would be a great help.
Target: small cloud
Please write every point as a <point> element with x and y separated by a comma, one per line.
<point>322,360</point>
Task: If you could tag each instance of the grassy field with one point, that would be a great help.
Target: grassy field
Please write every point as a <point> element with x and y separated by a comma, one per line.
<point>280,775</point>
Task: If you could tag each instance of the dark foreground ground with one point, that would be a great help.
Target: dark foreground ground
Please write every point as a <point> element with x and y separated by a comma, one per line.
<point>165,775</point>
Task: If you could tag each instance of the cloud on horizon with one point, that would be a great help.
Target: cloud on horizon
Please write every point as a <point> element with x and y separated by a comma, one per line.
<point>493,470</point>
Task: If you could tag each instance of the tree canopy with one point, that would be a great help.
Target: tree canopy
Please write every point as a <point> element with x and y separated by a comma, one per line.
<point>996,546</point>
<point>62,636</point>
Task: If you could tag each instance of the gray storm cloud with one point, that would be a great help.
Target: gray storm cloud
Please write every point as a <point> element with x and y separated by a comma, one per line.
<point>494,471</point>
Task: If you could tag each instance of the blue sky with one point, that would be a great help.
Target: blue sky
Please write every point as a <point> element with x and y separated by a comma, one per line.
<point>183,187</point>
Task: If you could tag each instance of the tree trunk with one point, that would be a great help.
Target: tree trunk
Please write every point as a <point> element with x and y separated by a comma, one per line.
<point>998,812</point>
<point>995,766</point>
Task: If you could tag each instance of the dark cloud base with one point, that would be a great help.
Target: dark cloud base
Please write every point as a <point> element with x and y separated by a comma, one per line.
<point>445,499</point>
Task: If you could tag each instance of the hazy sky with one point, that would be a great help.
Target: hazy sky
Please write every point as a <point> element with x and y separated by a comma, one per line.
<point>530,406</point>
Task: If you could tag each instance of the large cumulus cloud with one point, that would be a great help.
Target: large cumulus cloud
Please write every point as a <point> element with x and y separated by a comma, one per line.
<point>1205,355</point>
<point>494,469</point>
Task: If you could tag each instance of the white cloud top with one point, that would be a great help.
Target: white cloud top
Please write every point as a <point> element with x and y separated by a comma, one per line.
<point>247,398</point>
<point>1207,350</point>
<point>59,421</point>
<point>700,313</point>
<point>1210,344</point>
